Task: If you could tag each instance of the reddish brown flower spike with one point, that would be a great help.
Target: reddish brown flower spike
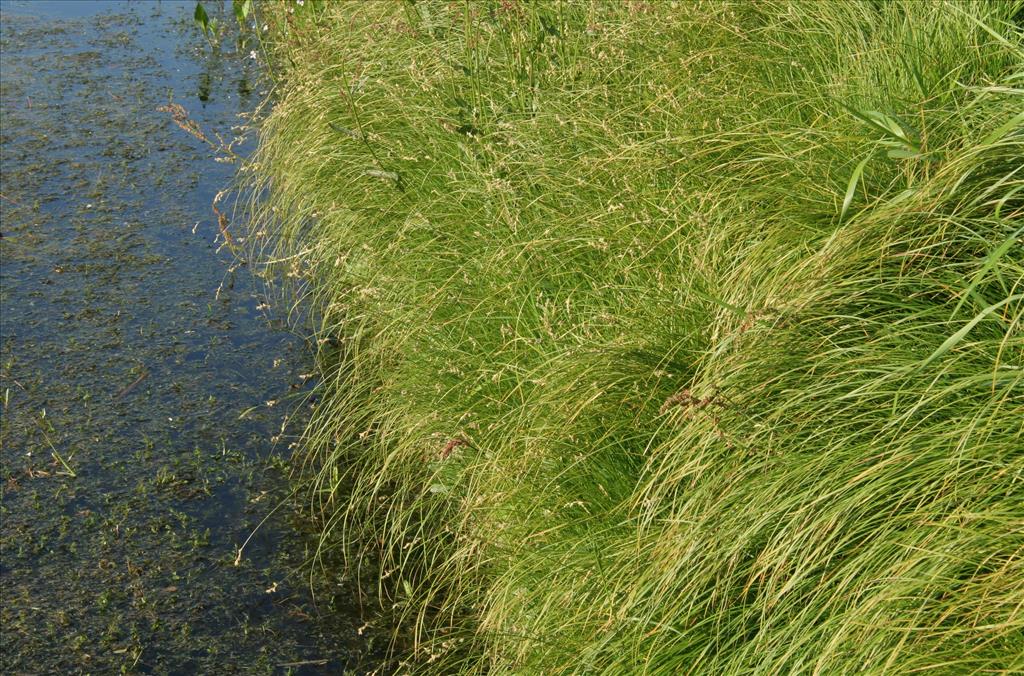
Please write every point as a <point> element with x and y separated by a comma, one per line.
<point>451,446</point>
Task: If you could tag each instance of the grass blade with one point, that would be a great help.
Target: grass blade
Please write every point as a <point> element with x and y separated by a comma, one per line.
<point>954,339</point>
<point>851,187</point>
<point>990,262</point>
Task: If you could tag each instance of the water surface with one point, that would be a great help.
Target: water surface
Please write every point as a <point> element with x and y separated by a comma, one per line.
<point>147,389</point>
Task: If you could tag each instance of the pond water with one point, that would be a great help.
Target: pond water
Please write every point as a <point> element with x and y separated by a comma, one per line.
<point>147,390</point>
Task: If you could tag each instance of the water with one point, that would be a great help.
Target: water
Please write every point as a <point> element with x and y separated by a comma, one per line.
<point>144,382</point>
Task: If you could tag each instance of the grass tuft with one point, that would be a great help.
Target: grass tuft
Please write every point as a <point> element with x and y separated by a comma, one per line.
<point>664,337</point>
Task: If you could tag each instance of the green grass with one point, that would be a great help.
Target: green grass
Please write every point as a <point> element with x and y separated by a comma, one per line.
<point>665,337</point>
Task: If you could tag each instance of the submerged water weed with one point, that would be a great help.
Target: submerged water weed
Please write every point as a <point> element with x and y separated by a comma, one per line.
<point>681,336</point>
<point>127,478</point>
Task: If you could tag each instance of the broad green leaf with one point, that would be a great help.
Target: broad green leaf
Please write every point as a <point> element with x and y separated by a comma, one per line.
<point>201,18</point>
<point>885,123</point>
<point>898,134</point>
<point>851,187</point>
<point>242,9</point>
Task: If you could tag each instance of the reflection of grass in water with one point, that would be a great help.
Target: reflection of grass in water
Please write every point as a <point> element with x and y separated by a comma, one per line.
<point>642,366</point>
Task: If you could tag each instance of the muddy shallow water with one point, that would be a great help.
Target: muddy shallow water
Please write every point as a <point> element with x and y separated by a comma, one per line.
<point>148,392</point>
